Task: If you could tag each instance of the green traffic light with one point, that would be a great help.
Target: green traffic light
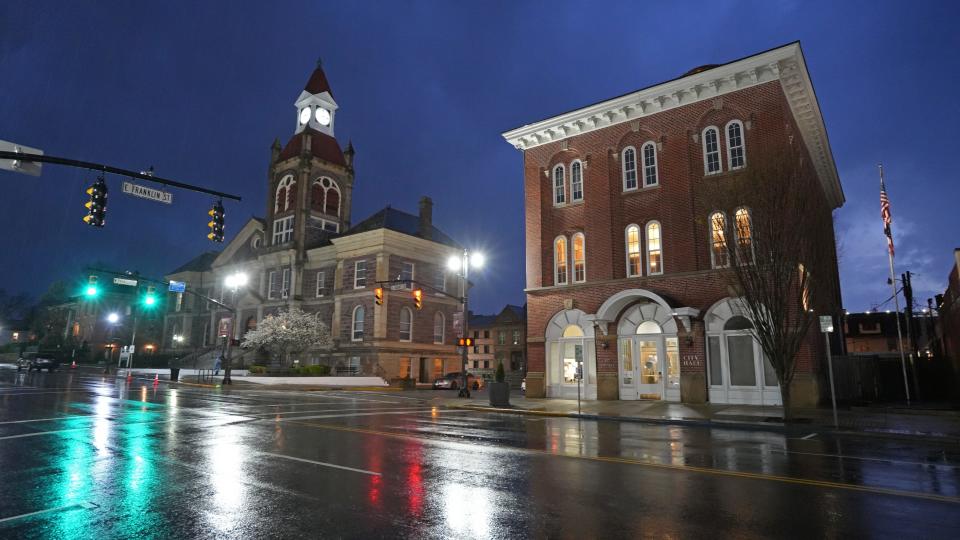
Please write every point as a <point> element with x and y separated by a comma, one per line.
<point>91,291</point>
<point>150,300</point>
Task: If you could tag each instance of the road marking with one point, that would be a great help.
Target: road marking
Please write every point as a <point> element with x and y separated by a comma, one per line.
<point>368,409</point>
<point>39,433</point>
<point>321,463</point>
<point>47,419</point>
<point>808,437</point>
<point>87,505</point>
<point>669,466</point>
<point>403,411</point>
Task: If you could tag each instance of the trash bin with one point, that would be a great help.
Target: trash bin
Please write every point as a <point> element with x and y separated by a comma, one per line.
<point>174,374</point>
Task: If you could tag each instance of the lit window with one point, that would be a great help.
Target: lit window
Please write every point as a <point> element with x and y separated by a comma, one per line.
<point>579,259</point>
<point>406,324</point>
<point>633,251</point>
<point>502,337</point>
<point>711,151</point>
<point>284,194</point>
<point>406,274</point>
<point>744,232</point>
<point>559,186</point>
<point>649,165</point>
<point>718,240</point>
<point>629,168</point>
<point>439,327</point>
<point>516,337</point>
<point>654,247</point>
<point>321,275</point>
<point>359,274</point>
<point>736,156</point>
<point>576,181</point>
<point>560,260</point>
<point>358,314</point>
<point>282,230</point>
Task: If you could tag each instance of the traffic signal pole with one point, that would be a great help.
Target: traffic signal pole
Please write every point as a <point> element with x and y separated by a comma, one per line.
<point>464,281</point>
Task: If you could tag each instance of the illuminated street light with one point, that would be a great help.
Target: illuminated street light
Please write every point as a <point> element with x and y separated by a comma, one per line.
<point>236,280</point>
<point>113,318</point>
<point>477,259</point>
<point>453,263</point>
<point>178,338</point>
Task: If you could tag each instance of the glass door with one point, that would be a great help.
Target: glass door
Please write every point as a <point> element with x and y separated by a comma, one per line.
<point>649,364</point>
<point>628,370</point>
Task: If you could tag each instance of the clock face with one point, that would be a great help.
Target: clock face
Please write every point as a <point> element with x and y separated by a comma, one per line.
<point>305,115</point>
<point>323,116</point>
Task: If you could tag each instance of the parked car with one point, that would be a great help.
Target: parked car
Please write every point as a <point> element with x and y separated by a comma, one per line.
<point>37,363</point>
<point>452,381</point>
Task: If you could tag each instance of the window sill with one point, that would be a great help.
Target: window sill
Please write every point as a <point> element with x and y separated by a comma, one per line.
<point>647,189</point>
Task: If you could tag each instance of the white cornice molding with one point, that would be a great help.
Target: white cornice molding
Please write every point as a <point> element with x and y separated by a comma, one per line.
<point>785,64</point>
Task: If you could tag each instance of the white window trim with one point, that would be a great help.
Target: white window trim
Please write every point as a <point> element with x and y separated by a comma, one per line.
<point>573,258</point>
<point>743,144</point>
<point>333,186</point>
<point>626,245</point>
<point>282,230</point>
<point>443,327</point>
<point>623,168</point>
<point>353,323</point>
<point>356,267</point>
<point>285,283</point>
<point>413,274</point>
<point>285,183</point>
<point>563,182</point>
<point>703,144</point>
<point>321,278</point>
<point>726,236</point>
<point>271,292</point>
<point>441,282</point>
<point>656,165</point>
<point>410,329</point>
<point>556,260</point>
<point>573,198</point>
<point>646,235</point>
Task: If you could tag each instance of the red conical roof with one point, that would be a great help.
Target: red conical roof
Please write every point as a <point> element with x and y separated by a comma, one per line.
<point>318,82</point>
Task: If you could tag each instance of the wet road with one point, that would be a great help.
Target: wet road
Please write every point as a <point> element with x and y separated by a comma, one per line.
<point>83,456</point>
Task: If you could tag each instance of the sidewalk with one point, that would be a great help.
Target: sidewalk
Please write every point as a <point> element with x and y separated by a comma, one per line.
<point>893,421</point>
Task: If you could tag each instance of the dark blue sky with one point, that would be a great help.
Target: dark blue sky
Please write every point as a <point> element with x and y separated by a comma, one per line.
<point>199,90</point>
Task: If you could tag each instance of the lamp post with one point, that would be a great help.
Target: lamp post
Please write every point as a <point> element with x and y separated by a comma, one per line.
<point>461,264</point>
<point>113,318</point>
<point>233,282</point>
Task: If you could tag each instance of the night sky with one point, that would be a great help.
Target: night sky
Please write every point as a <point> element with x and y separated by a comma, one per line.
<point>200,90</point>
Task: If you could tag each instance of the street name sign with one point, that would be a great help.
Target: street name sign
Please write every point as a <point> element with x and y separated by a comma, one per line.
<point>16,165</point>
<point>826,324</point>
<point>125,281</point>
<point>178,286</point>
<point>147,193</point>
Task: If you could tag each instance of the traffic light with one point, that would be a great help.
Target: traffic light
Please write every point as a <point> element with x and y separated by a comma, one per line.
<point>418,298</point>
<point>465,342</point>
<point>150,299</point>
<point>92,290</point>
<point>97,205</point>
<point>378,295</point>
<point>216,224</point>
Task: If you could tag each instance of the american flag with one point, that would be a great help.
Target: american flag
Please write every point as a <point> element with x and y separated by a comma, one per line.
<point>885,213</point>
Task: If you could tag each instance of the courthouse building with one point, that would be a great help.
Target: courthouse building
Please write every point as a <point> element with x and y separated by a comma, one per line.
<point>623,267</point>
<point>308,252</point>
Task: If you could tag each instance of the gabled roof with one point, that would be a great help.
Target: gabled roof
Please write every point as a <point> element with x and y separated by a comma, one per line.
<point>519,311</point>
<point>482,321</point>
<point>399,221</point>
<point>200,263</point>
<point>322,146</point>
<point>318,82</point>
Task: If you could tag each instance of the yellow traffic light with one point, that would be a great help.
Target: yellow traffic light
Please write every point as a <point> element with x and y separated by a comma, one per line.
<point>378,295</point>
<point>418,298</point>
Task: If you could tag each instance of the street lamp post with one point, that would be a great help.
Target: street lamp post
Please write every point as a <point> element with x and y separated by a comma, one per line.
<point>233,282</point>
<point>113,318</point>
<point>462,264</point>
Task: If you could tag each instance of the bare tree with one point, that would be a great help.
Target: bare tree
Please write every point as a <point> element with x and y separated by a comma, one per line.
<point>775,237</point>
<point>288,332</point>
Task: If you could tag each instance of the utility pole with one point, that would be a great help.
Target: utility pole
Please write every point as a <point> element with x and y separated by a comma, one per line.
<point>911,331</point>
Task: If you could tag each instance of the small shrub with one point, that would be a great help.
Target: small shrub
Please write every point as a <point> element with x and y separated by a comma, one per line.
<point>257,369</point>
<point>501,376</point>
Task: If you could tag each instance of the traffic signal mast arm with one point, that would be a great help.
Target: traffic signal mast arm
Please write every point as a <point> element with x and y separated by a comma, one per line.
<point>417,284</point>
<point>165,284</point>
<point>39,158</point>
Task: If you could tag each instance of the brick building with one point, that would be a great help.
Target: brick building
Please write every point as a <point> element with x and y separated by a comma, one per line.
<point>499,338</point>
<point>948,306</point>
<point>307,252</point>
<point>623,273</point>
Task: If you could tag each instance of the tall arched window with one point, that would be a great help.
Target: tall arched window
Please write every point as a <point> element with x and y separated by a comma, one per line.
<point>579,258</point>
<point>358,315</point>
<point>325,196</point>
<point>406,324</point>
<point>560,260</point>
<point>629,168</point>
<point>718,240</point>
<point>736,154</point>
<point>649,164</point>
<point>711,150</point>
<point>316,197</point>
<point>633,250</point>
<point>284,196</point>
<point>439,326</point>
<point>744,230</point>
<point>576,181</point>
<point>654,249</point>
<point>559,186</point>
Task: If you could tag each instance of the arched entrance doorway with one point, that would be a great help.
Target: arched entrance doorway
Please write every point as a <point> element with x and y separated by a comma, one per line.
<point>737,370</point>
<point>569,341</point>
<point>648,353</point>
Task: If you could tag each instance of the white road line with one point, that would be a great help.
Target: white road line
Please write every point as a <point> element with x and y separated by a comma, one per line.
<point>39,433</point>
<point>368,409</point>
<point>321,463</point>
<point>405,411</point>
<point>808,437</point>
<point>48,419</point>
<point>86,505</point>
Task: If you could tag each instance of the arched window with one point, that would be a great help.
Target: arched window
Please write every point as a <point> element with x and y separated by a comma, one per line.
<point>744,230</point>
<point>284,194</point>
<point>649,327</point>
<point>572,330</point>
<point>559,186</point>
<point>406,324</point>
<point>711,151</point>
<point>579,258</point>
<point>654,249</point>
<point>325,196</point>
<point>736,154</point>
<point>358,315</point>
<point>560,260</point>
<point>439,327</point>
<point>718,240</point>
<point>649,164</point>
<point>316,197</point>
<point>576,181</point>
<point>633,250</point>
<point>629,168</point>
<point>738,322</point>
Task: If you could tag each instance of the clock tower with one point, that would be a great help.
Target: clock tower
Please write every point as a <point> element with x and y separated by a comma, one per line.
<point>316,108</point>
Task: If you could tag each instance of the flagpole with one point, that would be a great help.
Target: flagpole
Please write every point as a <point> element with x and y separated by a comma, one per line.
<point>896,303</point>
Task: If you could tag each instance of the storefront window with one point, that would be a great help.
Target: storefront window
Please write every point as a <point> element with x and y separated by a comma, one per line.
<point>740,352</point>
<point>572,352</point>
<point>673,363</point>
<point>649,363</point>
<point>626,358</point>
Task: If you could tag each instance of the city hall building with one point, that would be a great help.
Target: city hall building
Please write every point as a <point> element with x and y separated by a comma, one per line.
<point>623,268</point>
<point>307,252</point>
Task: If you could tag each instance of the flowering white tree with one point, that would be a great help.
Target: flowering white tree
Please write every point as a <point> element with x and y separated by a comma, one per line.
<point>288,332</point>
